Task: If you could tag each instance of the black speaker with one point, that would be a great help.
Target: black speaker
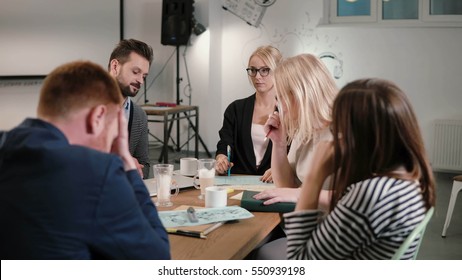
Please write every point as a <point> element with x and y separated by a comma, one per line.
<point>176,22</point>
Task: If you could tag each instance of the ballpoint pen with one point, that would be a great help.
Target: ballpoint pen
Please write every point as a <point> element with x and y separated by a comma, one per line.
<point>217,225</point>
<point>213,227</point>
<point>267,134</point>
<point>228,149</point>
<point>190,233</point>
<point>271,128</point>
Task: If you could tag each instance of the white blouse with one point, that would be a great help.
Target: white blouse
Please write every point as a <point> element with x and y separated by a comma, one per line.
<point>259,144</point>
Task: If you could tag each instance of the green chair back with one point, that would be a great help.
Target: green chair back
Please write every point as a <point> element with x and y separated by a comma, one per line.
<point>420,229</point>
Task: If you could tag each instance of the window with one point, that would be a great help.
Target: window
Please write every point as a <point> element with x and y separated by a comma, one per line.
<point>442,10</point>
<point>353,11</point>
<point>412,12</point>
<point>400,9</point>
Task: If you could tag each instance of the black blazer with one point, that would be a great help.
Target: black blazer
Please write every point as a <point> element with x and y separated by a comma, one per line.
<point>236,132</point>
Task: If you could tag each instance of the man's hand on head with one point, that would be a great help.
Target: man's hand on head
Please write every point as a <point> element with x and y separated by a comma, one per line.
<point>120,144</point>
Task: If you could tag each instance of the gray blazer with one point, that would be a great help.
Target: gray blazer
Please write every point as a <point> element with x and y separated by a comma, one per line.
<point>138,137</point>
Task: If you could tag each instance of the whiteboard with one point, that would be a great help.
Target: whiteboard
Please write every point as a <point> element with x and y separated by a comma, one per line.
<point>38,35</point>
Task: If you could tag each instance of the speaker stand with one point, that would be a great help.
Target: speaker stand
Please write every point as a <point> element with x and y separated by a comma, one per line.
<point>178,102</point>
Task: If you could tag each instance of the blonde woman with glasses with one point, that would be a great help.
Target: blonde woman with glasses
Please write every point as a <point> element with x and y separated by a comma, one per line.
<point>244,120</point>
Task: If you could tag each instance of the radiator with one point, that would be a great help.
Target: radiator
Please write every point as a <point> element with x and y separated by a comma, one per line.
<point>447,148</point>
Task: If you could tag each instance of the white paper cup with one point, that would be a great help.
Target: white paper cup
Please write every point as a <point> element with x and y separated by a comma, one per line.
<point>216,196</point>
<point>188,166</point>
<point>205,175</point>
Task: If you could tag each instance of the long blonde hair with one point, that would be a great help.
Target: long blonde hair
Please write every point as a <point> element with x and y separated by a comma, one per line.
<point>305,80</point>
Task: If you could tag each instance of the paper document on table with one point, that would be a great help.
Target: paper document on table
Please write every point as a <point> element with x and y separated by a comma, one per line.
<point>179,218</point>
<point>240,180</point>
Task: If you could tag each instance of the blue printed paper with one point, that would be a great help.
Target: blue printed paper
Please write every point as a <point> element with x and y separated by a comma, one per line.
<point>179,218</point>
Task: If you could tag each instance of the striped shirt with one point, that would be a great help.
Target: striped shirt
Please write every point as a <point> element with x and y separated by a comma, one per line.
<point>370,221</point>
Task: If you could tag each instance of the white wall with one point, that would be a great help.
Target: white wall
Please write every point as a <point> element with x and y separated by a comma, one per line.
<point>425,62</point>
<point>37,36</point>
<point>18,100</point>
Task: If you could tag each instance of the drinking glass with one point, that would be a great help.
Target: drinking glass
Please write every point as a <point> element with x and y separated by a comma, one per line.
<point>163,175</point>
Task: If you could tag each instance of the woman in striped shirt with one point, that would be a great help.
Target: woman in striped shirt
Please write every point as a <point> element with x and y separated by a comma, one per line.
<point>382,182</point>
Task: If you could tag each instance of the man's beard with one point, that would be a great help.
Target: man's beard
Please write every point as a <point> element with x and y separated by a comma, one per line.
<point>126,92</point>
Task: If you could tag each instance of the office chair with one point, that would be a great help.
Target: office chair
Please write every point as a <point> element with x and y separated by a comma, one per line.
<point>456,188</point>
<point>420,229</point>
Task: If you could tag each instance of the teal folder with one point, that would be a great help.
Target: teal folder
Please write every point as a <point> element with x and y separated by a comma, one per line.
<point>256,205</point>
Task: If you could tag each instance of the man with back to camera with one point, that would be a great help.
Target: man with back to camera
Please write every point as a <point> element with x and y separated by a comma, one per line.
<point>129,64</point>
<point>69,187</point>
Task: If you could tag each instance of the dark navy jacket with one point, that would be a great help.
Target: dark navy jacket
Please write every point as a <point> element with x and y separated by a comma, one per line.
<point>62,201</point>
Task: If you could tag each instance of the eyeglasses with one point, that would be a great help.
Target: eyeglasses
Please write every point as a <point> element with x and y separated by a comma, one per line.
<point>252,72</point>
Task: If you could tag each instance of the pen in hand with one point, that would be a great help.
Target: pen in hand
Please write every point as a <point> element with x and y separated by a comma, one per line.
<point>267,134</point>
<point>271,128</point>
<point>228,149</point>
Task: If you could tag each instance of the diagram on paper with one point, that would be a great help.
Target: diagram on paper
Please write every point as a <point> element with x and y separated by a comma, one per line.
<point>179,218</point>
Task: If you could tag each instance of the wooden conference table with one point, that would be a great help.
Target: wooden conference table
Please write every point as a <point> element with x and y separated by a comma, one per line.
<point>229,242</point>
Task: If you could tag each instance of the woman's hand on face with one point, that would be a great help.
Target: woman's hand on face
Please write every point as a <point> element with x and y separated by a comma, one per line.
<point>279,195</point>
<point>267,177</point>
<point>273,129</point>
<point>222,164</point>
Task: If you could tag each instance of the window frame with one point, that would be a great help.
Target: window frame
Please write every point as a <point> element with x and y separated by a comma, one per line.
<point>424,19</point>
